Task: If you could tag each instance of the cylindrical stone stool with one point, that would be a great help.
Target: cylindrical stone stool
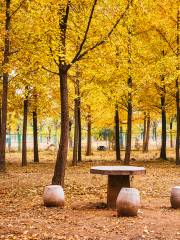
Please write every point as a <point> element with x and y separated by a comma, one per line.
<point>53,196</point>
<point>175,197</point>
<point>128,202</point>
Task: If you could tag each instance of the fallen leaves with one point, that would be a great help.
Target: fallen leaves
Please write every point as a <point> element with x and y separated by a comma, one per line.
<point>23,216</point>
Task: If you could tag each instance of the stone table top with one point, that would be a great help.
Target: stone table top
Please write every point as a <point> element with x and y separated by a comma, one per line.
<point>118,170</point>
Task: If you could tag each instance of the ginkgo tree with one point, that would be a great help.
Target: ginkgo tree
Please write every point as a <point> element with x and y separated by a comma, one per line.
<point>63,58</point>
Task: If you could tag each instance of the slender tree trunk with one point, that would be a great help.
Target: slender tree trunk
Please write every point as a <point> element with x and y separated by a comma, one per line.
<point>129,126</point>
<point>5,88</point>
<point>117,136</point>
<point>154,131</point>
<point>24,142</point>
<point>145,131</point>
<point>121,138</point>
<point>59,171</point>
<point>70,137</point>
<point>79,124</point>
<point>9,134</point>
<point>35,136</point>
<point>79,135</point>
<point>0,123</point>
<point>76,133</point>
<point>171,134</point>
<point>177,87</point>
<point>146,144</point>
<point>88,150</point>
<point>129,107</point>
<point>178,124</point>
<point>163,134</point>
<point>163,114</point>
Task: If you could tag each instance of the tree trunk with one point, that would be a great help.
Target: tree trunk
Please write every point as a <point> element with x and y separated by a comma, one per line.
<point>0,123</point>
<point>121,138</point>
<point>144,132</point>
<point>70,137</point>
<point>5,88</point>
<point>146,143</point>
<point>177,88</point>
<point>88,150</point>
<point>79,125</point>
<point>155,131</point>
<point>24,143</point>
<point>76,133</point>
<point>163,134</point>
<point>35,136</point>
<point>117,136</point>
<point>129,126</point>
<point>171,133</point>
<point>9,134</point>
<point>59,171</point>
<point>178,124</point>
<point>79,135</point>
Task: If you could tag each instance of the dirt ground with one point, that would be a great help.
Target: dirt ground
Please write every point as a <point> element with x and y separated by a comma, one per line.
<point>85,216</point>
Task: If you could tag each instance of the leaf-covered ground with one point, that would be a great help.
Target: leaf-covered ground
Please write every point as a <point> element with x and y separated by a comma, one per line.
<point>23,216</point>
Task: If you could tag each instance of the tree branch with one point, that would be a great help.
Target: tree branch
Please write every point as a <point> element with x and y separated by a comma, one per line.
<point>13,52</point>
<point>18,8</point>
<point>50,71</point>
<point>165,39</point>
<point>86,33</point>
<point>105,38</point>
<point>53,56</point>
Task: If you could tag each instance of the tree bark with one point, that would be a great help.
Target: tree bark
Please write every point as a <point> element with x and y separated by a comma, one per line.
<point>171,131</point>
<point>9,134</point>
<point>5,88</point>
<point>79,124</point>
<point>177,87</point>
<point>70,137</point>
<point>35,137</point>
<point>129,126</point>
<point>88,150</point>
<point>146,143</point>
<point>59,171</point>
<point>24,142</point>
<point>155,131</point>
<point>163,133</point>
<point>178,124</point>
<point>117,136</point>
<point>145,131</point>
<point>0,122</point>
<point>80,134</point>
<point>121,138</point>
<point>76,133</point>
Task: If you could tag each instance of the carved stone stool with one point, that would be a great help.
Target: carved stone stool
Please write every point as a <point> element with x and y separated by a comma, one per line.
<point>53,196</point>
<point>175,197</point>
<point>128,202</point>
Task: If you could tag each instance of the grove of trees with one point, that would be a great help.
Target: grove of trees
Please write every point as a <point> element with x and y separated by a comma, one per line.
<point>89,63</point>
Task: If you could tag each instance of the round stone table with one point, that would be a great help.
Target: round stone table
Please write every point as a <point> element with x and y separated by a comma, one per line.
<point>118,177</point>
